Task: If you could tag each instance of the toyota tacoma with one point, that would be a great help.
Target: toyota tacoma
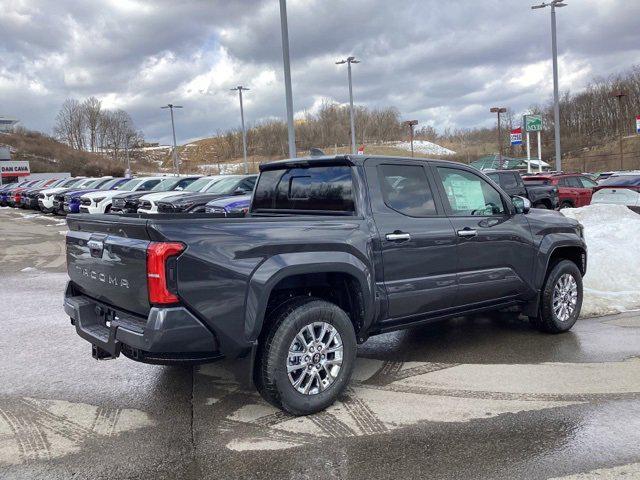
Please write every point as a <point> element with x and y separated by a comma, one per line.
<point>333,250</point>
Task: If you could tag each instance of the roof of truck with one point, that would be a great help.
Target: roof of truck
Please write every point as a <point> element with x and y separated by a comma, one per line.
<point>340,160</point>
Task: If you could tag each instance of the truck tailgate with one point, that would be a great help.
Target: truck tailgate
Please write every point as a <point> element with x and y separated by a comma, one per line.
<point>110,267</point>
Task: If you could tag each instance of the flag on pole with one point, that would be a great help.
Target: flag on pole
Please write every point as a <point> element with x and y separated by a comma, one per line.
<point>516,136</point>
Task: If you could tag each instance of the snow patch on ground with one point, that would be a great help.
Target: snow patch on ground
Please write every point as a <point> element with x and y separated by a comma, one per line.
<point>221,168</point>
<point>423,146</point>
<point>611,284</point>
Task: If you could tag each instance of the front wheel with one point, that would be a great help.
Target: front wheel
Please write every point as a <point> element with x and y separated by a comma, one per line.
<point>561,298</point>
<point>307,358</point>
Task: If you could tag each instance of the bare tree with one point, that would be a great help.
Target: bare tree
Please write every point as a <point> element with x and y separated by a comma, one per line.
<point>92,109</point>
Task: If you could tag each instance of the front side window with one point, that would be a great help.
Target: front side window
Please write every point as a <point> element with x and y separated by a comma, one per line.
<point>405,189</point>
<point>468,194</point>
<point>148,185</point>
<point>305,189</point>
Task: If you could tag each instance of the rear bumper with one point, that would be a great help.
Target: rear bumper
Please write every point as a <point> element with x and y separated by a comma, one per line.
<point>166,336</point>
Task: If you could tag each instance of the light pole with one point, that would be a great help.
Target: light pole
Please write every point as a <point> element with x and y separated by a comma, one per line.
<point>126,148</point>
<point>287,77</point>
<point>176,168</point>
<point>349,61</point>
<point>499,110</point>
<point>240,88</point>
<point>411,124</point>
<point>556,96</point>
<point>620,95</point>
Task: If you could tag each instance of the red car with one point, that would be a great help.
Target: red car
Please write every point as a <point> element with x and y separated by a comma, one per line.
<point>574,189</point>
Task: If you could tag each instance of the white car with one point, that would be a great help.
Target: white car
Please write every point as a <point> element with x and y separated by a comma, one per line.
<point>45,197</point>
<point>148,202</point>
<point>100,202</point>
<point>619,189</point>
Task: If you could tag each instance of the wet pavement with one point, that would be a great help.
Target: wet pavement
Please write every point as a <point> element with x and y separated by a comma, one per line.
<point>480,397</point>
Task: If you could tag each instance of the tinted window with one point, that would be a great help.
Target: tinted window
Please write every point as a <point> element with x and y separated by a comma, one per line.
<point>508,180</point>
<point>249,184</point>
<point>405,189</point>
<point>573,182</point>
<point>469,194</point>
<point>184,183</point>
<point>305,189</point>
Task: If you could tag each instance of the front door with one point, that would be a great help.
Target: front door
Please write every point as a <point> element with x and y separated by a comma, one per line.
<point>495,246</point>
<point>416,239</point>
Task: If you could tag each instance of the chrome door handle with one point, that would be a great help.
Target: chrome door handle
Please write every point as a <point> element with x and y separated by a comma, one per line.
<point>397,237</point>
<point>467,233</point>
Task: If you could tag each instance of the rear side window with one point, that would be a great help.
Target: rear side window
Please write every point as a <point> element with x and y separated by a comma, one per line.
<point>405,189</point>
<point>574,182</point>
<point>313,189</point>
<point>587,182</point>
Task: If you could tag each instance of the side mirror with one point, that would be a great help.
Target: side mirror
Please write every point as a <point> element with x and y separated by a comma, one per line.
<point>522,204</point>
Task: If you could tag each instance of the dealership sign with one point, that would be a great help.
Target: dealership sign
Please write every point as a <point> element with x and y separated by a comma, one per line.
<point>532,123</point>
<point>15,169</point>
<point>516,136</point>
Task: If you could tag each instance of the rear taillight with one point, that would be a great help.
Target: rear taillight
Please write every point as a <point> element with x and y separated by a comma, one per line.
<point>161,271</point>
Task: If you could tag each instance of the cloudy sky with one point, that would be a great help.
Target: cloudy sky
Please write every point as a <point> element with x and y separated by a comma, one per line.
<point>442,62</point>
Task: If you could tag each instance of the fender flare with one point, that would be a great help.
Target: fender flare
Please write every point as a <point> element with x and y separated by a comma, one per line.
<point>281,266</point>
<point>550,243</point>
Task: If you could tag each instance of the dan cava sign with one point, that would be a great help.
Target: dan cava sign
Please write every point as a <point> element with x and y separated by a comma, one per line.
<point>14,169</point>
<point>532,123</point>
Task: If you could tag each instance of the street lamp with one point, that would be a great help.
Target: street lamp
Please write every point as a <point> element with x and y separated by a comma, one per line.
<point>556,97</point>
<point>126,147</point>
<point>287,77</point>
<point>620,95</point>
<point>176,168</point>
<point>499,110</point>
<point>240,88</point>
<point>349,61</point>
<point>411,124</point>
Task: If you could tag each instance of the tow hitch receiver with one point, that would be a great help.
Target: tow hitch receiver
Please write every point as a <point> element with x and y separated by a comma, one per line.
<point>100,354</point>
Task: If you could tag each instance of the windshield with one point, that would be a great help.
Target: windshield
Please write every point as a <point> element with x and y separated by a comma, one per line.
<point>165,185</point>
<point>225,185</point>
<point>71,182</point>
<point>198,184</point>
<point>622,181</point>
<point>110,184</point>
<point>130,185</point>
<point>86,182</point>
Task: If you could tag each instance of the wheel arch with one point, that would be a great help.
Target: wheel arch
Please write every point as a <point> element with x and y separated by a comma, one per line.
<point>320,274</point>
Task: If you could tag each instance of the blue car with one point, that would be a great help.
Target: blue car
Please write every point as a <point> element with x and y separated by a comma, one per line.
<point>71,200</point>
<point>236,206</point>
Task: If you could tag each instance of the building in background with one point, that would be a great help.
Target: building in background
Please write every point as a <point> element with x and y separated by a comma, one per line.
<point>7,124</point>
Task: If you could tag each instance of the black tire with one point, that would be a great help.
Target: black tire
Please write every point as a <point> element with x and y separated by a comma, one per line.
<point>270,374</point>
<point>566,204</point>
<point>548,321</point>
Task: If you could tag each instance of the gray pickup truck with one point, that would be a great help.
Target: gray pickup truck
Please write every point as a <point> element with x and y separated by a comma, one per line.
<point>334,250</point>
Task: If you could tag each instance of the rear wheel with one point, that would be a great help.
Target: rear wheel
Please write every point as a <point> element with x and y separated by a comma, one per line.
<point>307,357</point>
<point>561,298</point>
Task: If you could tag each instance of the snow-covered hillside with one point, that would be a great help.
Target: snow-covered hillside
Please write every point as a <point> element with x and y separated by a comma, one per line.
<point>611,284</point>
<point>423,146</point>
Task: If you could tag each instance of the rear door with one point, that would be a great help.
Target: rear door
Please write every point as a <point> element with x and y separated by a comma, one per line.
<point>587,189</point>
<point>494,246</point>
<point>417,241</point>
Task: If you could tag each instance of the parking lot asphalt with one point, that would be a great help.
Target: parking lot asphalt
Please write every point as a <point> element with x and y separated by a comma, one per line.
<point>481,397</point>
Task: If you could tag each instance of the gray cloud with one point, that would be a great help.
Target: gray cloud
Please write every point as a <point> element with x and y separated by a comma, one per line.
<point>444,63</point>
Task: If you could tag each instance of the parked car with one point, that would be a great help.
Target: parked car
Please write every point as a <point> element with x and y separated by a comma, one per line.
<point>620,189</point>
<point>5,191</point>
<point>195,202</point>
<point>45,197</point>
<point>101,202</point>
<point>334,250</point>
<point>540,196</point>
<point>574,189</point>
<point>14,198</point>
<point>236,206</point>
<point>128,202</point>
<point>92,186</point>
<point>30,195</point>
<point>148,202</point>
<point>71,202</point>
